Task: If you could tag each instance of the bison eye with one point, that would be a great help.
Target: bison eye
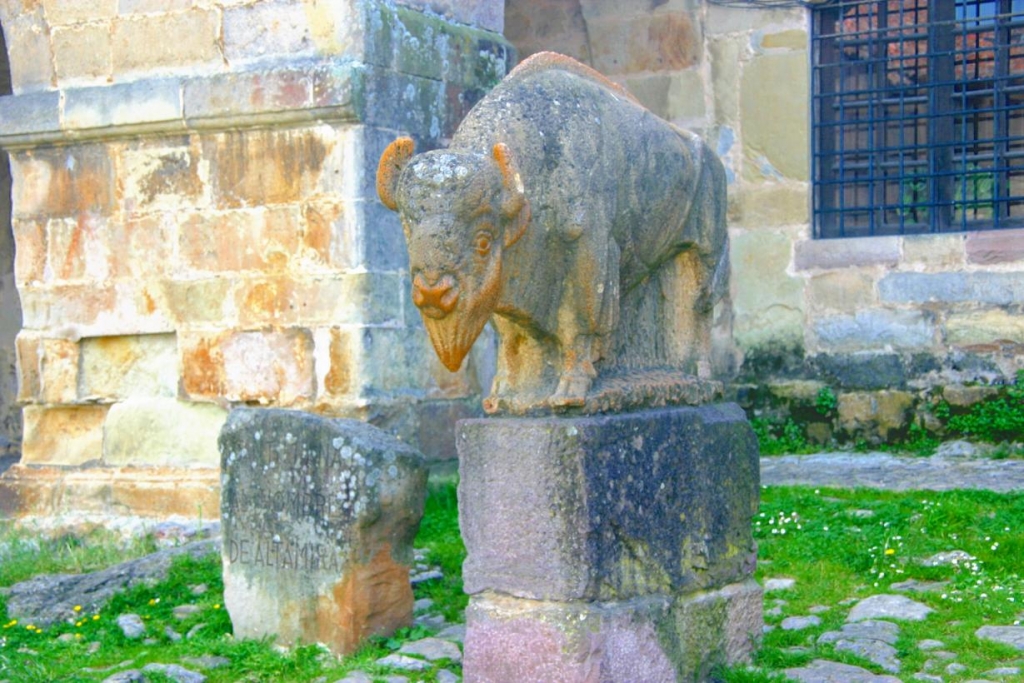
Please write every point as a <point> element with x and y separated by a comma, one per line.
<point>483,243</point>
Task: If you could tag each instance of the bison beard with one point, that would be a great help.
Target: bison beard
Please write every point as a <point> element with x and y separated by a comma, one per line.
<point>453,335</point>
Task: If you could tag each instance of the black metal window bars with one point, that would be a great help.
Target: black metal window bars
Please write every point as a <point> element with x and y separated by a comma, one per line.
<point>917,116</point>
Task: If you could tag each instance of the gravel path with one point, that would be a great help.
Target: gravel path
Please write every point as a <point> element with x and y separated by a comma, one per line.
<point>896,473</point>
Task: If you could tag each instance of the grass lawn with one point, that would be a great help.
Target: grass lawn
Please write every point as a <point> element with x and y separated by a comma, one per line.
<point>838,545</point>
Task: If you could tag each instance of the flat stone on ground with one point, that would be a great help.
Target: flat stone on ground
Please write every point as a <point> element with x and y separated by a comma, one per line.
<point>948,557</point>
<point>433,649</point>
<point>930,644</point>
<point>889,606</point>
<point>176,673</point>
<point>823,671</point>
<point>778,584</point>
<point>799,623</point>
<point>885,631</point>
<point>403,662</point>
<point>915,586</point>
<point>875,651</point>
<point>1007,635</point>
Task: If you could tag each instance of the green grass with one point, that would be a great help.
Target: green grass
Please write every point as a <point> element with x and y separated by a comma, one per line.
<point>837,544</point>
<point>60,652</point>
<point>841,544</point>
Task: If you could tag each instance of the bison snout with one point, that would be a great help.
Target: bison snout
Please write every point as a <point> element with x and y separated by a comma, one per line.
<point>435,299</point>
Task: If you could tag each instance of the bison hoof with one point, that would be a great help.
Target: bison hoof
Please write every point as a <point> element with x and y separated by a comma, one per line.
<point>571,392</point>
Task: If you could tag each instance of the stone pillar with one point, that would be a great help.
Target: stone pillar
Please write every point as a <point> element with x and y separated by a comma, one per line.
<point>197,227</point>
<point>612,548</point>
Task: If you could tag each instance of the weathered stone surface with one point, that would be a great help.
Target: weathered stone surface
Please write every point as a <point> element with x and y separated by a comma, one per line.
<point>937,251</point>
<point>953,287</point>
<point>655,638</point>
<point>860,370</point>
<point>984,327</point>
<point>124,104</point>
<point>769,85</point>
<point>847,290</point>
<point>608,507</point>
<point>987,247</point>
<point>778,203</point>
<point>1007,635</point>
<point>880,412</point>
<point>141,41</point>
<point>889,607</point>
<point>759,260</point>
<point>48,599</point>
<point>878,328</point>
<point>823,671</point>
<point>162,431</point>
<point>844,253</point>
<point>319,517</point>
<point>63,435</point>
<point>114,368</point>
<point>659,41</point>
<point>260,366</point>
<point>82,53</point>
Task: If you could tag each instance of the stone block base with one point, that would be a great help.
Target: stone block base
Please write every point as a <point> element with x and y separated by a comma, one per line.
<point>650,639</point>
<point>609,547</point>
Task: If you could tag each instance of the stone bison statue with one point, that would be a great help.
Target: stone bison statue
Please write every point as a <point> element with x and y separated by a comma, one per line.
<point>557,205</point>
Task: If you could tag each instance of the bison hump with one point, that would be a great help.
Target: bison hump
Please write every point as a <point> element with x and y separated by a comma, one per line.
<point>552,61</point>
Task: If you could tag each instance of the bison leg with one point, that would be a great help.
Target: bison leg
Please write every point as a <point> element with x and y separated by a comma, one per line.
<point>593,296</point>
<point>577,375</point>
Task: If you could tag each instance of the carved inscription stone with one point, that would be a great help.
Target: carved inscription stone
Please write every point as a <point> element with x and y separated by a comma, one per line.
<point>318,517</point>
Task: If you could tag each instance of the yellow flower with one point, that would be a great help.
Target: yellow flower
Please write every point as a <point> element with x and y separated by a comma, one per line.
<point>217,606</point>
<point>77,608</point>
<point>890,551</point>
<point>95,617</point>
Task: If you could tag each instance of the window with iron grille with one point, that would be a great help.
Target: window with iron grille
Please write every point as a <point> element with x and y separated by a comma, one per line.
<point>918,116</point>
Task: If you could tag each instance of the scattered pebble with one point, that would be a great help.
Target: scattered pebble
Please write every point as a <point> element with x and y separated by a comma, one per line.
<point>183,612</point>
<point>131,626</point>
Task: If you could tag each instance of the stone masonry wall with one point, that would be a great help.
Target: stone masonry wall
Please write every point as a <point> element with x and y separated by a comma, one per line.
<point>901,315</point>
<point>197,227</point>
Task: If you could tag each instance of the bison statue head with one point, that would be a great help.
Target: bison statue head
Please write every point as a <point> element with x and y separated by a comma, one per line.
<point>460,211</point>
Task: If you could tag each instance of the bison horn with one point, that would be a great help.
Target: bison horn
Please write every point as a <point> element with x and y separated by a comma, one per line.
<point>394,159</point>
<point>514,206</point>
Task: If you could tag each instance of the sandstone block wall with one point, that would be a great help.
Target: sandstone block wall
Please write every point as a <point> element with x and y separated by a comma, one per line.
<point>196,222</point>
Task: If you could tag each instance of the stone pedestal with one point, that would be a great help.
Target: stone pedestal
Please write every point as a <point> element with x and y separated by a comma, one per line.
<point>609,548</point>
<point>319,517</point>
